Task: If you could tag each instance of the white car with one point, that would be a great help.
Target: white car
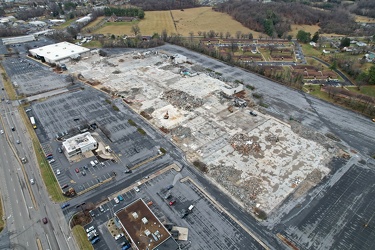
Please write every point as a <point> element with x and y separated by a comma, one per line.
<point>91,233</point>
<point>1,131</point>
<point>58,171</point>
<point>32,181</point>
<point>119,236</point>
<point>116,200</point>
<point>96,161</point>
<point>90,229</point>
<point>136,189</point>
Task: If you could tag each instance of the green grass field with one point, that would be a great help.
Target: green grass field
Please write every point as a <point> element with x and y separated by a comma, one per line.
<point>64,25</point>
<point>81,238</point>
<point>366,90</point>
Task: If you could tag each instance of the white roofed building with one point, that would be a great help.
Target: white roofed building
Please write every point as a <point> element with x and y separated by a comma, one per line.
<point>79,144</point>
<point>59,52</point>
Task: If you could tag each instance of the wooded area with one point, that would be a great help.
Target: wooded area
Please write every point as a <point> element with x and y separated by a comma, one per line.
<point>275,18</point>
<point>164,5</point>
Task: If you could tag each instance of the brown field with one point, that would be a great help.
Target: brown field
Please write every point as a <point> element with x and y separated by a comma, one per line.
<point>197,19</point>
<point>364,19</point>
<point>307,28</point>
<point>154,22</point>
<point>97,20</point>
<point>205,19</point>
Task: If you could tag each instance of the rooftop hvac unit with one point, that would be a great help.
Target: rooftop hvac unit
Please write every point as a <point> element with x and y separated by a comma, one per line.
<point>147,232</point>
<point>144,220</point>
<point>155,238</point>
<point>135,215</point>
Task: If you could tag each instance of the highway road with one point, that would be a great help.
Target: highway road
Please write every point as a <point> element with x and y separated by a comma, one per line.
<point>26,204</point>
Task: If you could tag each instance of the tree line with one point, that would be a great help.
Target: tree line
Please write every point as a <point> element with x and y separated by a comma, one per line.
<point>129,12</point>
<point>164,4</point>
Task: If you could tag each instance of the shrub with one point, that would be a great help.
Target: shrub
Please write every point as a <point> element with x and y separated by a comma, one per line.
<point>141,131</point>
<point>201,166</point>
<point>131,122</point>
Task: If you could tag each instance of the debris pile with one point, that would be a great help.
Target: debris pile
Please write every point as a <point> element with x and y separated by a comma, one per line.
<point>182,100</point>
<point>244,145</point>
<point>181,132</point>
<point>271,138</point>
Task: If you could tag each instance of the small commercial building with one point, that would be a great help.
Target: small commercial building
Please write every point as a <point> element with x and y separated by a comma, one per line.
<point>59,52</point>
<point>79,144</point>
<point>144,229</point>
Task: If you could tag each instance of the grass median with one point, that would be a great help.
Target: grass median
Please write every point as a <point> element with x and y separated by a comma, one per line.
<point>48,175</point>
<point>7,84</point>
<point>2,224</point>
<point>81,238</point>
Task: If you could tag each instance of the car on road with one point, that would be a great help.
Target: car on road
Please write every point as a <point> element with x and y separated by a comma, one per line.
<point>90,229</point>
<point>32,181</point>
<point>172,202</point>
<point>13,129</point>
<point>136,189</point>
<point>77,170</point>
<point>83,173</point>
<point>120,198</point>
<point>119,236</point>
<point>128,171</point>
<point>45,220</point>
<point>18,141</point>
<point>372,120</point>
<point>1,131</point>
<point>116,200</point>
<point>65,205</point>
<point>169,187</point>
<point>253,113</point>
<point>58,171</point>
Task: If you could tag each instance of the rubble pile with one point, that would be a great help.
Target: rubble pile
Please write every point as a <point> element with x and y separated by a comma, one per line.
<point>315,176</point>
<point>244,144</point>
<point>181,132</point>
<point>229,177</point>
<point>271,138</point>
<point>182,100</point>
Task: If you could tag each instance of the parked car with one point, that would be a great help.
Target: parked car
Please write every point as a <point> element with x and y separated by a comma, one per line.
<point>95,240</point>
<point>1,131</point>
<point>128,171</point>
<point>48,155</point>
<point>172,202</point>
<point>51,161</point>
<point>59,150</point>
<point>116,200</point>
<point>85,167</point>
<point>45,220</point>
<point>101,209</point>
<point>92,235</point>
<point>90,229</point>
<point>120,198</point>
<point>253,113</point>
<point>65,205</point>
<point>58,171</point>
<point>65,186</point>
<point>119,236</point>
<point>168,195</point>
<point>77,170</point>
<point>83,173</point>
<point>92,213</point>
<point>96,161</point>
<point>136,189</point>
<point>126,247</point>
<point>169,187</point>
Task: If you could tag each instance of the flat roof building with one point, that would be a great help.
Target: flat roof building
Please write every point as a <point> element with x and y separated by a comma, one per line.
<point>59,52</point>
<point>144,229</point>
<point>79,144</point>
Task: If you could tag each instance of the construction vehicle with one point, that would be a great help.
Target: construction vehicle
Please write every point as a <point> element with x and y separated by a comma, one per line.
<point>166,116</point>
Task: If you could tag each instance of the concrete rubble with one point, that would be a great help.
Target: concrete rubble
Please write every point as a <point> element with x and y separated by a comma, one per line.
<point>259,160</point>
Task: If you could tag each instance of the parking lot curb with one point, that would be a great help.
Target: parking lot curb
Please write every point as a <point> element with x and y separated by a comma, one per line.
<point>95,186</point>
<point>223,210</point>
<point>146,161</point>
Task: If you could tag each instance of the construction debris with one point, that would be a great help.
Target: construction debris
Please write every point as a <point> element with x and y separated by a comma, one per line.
<point>244,145</point>
<point>182,100</point>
